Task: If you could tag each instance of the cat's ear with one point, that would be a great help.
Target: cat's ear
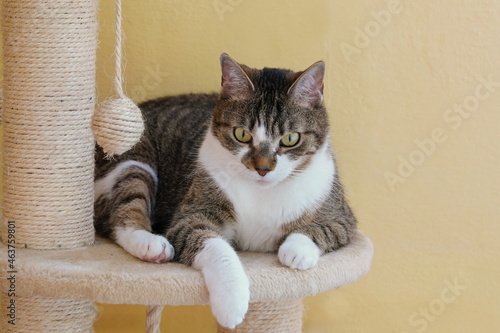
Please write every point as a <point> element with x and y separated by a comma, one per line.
<point>307,89</point>
<point>235,82</point>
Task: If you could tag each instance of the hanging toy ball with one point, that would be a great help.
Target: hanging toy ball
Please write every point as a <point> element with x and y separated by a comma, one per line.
<point>117,125</point>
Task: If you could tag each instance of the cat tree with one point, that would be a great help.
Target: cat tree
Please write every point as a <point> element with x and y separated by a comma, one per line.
<point>58,268</point>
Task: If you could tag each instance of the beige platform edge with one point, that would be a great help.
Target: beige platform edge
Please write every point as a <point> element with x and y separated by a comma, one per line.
<point>106,273</point>
<point>49,97</point>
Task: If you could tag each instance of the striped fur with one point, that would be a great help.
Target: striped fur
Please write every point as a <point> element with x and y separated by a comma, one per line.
<point>191,181</point>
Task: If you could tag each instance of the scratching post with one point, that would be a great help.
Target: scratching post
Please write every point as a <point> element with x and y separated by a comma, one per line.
<point>47,314</point>
<point>49,95</point>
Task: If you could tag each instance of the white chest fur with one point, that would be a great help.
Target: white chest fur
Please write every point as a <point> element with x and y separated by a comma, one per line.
<point>262,211</point>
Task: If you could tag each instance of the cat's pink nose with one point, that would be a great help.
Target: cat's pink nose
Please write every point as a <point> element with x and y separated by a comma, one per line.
<point>262,172</point>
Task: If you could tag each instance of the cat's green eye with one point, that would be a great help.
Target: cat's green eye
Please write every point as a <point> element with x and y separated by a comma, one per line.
<point>290,139</point>
<point>242,135</point>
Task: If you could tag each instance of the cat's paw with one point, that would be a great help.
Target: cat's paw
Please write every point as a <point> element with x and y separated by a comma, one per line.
<point>145,245</point>
<point>156,249</point>
<point>230,303</point>
<point>226,280</point>
<point>299,251</point>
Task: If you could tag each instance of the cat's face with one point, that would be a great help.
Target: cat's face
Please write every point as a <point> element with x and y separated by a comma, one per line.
<point>271,121</point>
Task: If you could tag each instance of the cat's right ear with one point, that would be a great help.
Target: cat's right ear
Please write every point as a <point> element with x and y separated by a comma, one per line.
<point>236,84</point>
<point>307,90</point>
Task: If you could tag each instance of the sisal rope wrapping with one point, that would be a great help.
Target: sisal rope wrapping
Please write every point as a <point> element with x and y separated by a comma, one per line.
<point>271,317</point>
<point>153,318</point>
<point>49,96</point>
<point>117,123</point>
<point>36,314</point>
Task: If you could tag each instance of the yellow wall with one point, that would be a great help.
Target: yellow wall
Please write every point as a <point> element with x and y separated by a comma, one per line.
<point>415,128</point>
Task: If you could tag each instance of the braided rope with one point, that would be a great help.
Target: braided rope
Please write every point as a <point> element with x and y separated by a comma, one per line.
<point>153,318</point>
<point>271,317</point>
<point>118,50</point>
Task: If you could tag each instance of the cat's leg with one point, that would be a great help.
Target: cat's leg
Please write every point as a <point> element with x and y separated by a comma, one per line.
<point>226,280</point>
<point>329,228</point>
<point>303,247</point>
<point>123,203</point>
<point>198,243</point>
<point>299,251</point>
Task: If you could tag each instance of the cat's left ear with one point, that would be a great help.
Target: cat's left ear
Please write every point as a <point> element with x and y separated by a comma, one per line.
<point>307,89</point>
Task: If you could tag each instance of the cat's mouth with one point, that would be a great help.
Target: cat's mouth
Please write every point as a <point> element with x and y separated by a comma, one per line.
<point>267,180</point>
<point>265,183</point>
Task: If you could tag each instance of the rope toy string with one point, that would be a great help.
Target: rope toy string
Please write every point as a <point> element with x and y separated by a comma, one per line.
<point>117,123</point>
<point>1,104</point>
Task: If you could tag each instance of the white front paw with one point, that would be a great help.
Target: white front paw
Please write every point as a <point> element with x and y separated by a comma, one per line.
<point>226,280</point>
<point>145,245</point>
<point>299,251</point>
<point>229,302</point>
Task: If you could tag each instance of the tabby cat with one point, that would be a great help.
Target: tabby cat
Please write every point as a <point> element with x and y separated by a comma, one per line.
<point>249,169</point>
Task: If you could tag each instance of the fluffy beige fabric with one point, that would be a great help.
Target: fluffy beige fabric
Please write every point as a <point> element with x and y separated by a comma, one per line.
<point>106,273</point>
